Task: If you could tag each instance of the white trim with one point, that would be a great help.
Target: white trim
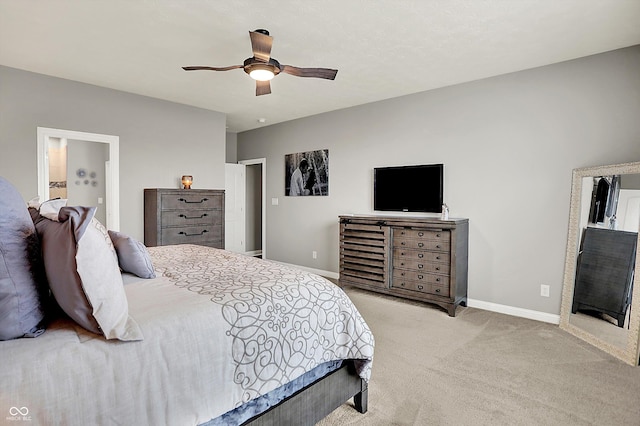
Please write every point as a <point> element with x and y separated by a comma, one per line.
<point>513,311</point>
<point>263,162</point>
<point>253,253</point>
<point>44,133</point>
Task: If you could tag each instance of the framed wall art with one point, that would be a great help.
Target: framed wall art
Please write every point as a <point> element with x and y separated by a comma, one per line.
<point>307,173</point>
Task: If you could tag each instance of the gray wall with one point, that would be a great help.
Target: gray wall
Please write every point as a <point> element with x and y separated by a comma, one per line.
<point>159,141</point>
<point>509,145</point>
<point>231,148</point>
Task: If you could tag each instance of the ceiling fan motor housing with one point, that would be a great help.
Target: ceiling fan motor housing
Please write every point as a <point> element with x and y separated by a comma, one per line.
<point>251,64</point>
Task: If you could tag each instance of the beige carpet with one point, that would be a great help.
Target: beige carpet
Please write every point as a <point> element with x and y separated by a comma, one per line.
<point>484,368</point>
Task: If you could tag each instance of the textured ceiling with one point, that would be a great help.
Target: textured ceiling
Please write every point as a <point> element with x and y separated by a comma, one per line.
<point>382,48</point>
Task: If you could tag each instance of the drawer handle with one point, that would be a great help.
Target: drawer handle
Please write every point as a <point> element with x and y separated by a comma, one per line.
<point>193,202</point>
<point>420,255</point>
<point>420,244</point>
<point>402,274</point>
<point>193,217</point>
<point>401,263</point>
<point>438,279</point>
<point>403,243</point>
<point>420,234</point>
<point>437,268</point>
<point>420,287</point>
<point>401,284</point>
<point>438,235</point>
<point>438,246</point>
<point>437,257</point>
<point>437,290</point>
<point>192,235</point>
<point>420,266</point>
<point>420,277</point>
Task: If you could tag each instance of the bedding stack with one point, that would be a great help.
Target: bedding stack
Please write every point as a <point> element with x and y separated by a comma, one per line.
<point>65,251</point>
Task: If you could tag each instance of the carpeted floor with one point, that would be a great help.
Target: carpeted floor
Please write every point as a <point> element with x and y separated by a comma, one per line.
<point>484,368</point>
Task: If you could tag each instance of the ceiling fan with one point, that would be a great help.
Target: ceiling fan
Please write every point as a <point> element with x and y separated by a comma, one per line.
<point>262,67</point>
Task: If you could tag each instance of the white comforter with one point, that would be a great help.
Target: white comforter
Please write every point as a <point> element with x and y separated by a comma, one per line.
<point>219,329</point>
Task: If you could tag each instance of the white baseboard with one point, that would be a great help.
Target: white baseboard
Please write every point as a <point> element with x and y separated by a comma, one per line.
<point>253,253</point>
<point>516,312</point>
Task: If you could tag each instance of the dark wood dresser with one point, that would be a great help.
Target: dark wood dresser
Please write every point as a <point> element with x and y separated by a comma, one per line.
<point>184,216</point>
<point>604,276</point>
<point>416,258</point>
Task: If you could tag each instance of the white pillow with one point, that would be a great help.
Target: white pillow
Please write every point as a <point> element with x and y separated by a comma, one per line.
<point>83,273</point>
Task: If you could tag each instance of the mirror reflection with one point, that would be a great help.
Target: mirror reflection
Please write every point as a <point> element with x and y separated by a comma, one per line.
<point>609,222</point>
<point>78,172</point>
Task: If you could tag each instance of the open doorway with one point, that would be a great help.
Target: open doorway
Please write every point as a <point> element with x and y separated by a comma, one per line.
<point>256,217</point>
<point>253,196</point>
<point>245,216</point>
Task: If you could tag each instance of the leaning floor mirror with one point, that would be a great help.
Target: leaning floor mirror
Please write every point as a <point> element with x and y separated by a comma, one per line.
<point>600,303</point>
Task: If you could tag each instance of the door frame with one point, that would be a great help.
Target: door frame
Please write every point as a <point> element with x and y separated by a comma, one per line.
<point>113,184</point>
<point>263,162</point>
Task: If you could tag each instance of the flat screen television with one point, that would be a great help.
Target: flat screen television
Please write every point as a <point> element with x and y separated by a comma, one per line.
<point>409,188</point>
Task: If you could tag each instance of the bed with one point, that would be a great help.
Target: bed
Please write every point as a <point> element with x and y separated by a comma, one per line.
<point>223,339</point>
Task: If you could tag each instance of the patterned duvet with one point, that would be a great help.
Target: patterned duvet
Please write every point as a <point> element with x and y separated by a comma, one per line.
<point>220,329</point>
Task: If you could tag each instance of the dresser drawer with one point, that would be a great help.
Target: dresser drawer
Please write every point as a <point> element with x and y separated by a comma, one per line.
<point>421,256</point>
<point>418,276</point>
<point>423,234</point>
<point>190,201</point>
<point>431,288</point>
<point>191,234</point>
<point>421,266</point>
<point>190,217</point>
<point>435,245</point>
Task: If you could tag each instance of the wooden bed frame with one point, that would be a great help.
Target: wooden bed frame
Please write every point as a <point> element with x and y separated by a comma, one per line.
<point>317,400</point>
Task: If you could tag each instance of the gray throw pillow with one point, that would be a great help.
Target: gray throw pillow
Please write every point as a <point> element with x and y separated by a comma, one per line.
<point>83,273</point>
<point>21,296</point>
<point>133,256</point>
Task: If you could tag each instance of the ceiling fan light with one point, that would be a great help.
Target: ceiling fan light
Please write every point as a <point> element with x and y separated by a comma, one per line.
<point>261,74</point>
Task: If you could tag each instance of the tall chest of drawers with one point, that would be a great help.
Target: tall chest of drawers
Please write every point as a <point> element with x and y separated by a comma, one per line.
<point>184,216</point>
<point>415,258</point>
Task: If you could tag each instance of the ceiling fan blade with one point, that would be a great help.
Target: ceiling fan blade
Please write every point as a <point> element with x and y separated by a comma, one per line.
<point>263,87</point>
<point>261,45</point>
<point>327,73</point>
<point>232,67</point>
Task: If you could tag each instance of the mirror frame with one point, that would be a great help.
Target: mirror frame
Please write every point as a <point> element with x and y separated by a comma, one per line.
<point>631,352</point>
<point>113,191</point>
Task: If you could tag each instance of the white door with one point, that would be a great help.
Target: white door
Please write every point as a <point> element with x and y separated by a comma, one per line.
<point>235,207</point>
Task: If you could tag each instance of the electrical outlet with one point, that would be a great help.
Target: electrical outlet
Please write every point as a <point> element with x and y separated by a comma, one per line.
<point>314,254</point>
<point>544,290</point>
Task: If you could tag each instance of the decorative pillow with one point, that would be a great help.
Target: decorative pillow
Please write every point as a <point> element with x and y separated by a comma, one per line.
<point>133,256</point>
<point>51,208</point>
<point>83,273</point>
<point>21,296</point>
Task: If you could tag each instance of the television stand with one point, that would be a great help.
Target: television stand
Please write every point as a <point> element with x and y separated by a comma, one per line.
<point>423,259</point>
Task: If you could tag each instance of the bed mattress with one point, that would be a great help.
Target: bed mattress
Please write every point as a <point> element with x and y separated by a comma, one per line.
<point>220,329</point>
